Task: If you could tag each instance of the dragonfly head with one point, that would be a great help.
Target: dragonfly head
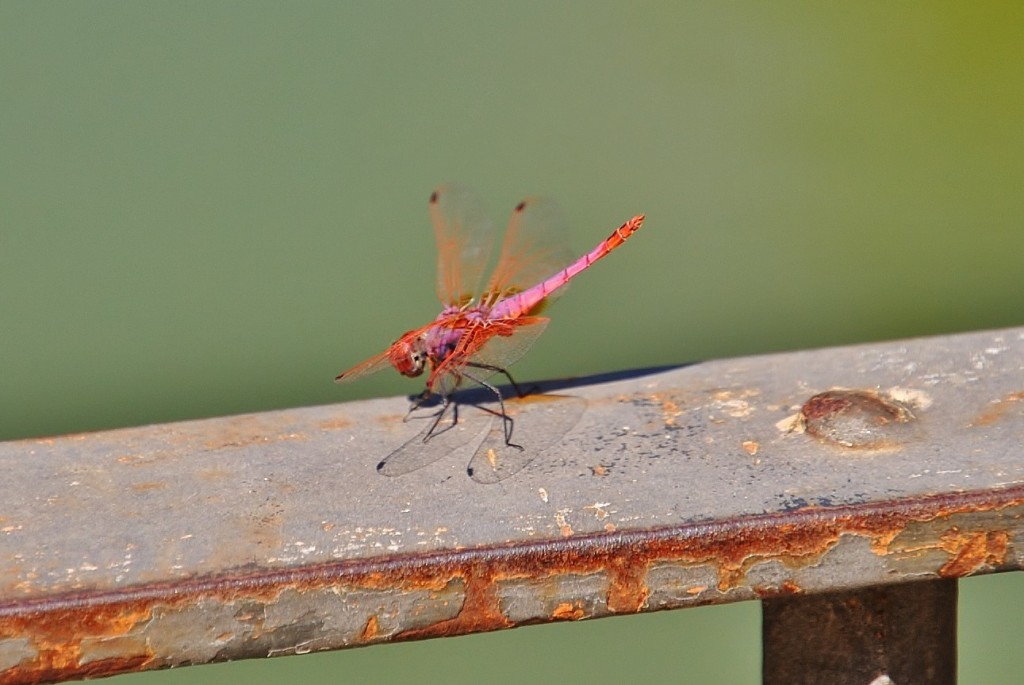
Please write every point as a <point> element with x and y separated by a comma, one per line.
<point>409,355</point>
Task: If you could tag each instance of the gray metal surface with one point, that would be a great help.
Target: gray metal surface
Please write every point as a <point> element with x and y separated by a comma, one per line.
<point>273,533</point>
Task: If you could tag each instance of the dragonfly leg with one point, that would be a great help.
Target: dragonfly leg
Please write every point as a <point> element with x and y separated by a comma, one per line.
<point>446,402</point>
<point>419,401</point>
<point>505,373</point>
<point>438,416</point>
<point>507,421</point>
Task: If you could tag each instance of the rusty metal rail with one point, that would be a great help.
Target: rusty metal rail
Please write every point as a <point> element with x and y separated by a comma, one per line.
<point>822,482</point>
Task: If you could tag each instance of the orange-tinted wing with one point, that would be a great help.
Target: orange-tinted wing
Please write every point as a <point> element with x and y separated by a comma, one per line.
<point>536,246</point>
<point>371,365</point>
<point>378,361</point>
<point>465,239</point>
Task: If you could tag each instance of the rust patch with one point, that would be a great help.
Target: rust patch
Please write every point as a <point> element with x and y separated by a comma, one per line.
<point>670,403</point>
<point>100,668</point>
<point>215,474</point>
<point>388,420</point>
<point>973,551</point>
<point>998,409</point>
<point>182,441</point>
<point>787,587</point>
<point>239,431</point>
<point>564,527</point>
<point>862,419</point>
<point>144,458</point>
<point>670,410</point>
<point>880,543</point>
<point>480,610</point>
<point>568,611</point>
<point>627,589</point>
<point>339,423</point>
<point>57,638</point>
<point>148,486</point>
<point>243,440</point>
<point>371,630</point>
<point>233,431</point>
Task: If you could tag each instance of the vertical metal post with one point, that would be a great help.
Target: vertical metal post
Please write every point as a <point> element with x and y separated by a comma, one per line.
<point>895,634</point>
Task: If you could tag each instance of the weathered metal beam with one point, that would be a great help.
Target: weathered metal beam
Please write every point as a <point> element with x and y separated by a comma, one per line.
<point>268,534</point>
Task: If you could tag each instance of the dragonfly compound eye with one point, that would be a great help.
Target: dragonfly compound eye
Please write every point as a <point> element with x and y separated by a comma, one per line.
<point>409,358</point>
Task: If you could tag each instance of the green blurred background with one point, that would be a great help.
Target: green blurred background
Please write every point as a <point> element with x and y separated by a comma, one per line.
<point>213,207</point>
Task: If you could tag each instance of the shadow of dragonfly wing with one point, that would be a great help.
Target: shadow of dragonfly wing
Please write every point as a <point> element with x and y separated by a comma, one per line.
<point>465,436</point>
<point>541,421</point>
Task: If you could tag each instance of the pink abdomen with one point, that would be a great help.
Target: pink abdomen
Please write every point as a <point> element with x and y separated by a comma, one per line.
<point>520,304</point>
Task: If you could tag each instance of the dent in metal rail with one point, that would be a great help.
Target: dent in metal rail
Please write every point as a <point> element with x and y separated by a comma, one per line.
<point>273,534</point>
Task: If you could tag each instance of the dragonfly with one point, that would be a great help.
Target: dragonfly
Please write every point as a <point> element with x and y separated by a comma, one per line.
<point>481,331</point>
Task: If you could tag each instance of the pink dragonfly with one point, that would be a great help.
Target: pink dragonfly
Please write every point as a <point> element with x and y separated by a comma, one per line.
<point>481,332</point>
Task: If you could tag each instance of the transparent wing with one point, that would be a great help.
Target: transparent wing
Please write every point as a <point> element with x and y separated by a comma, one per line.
<point>541,421</point>
<point>465,239</point>
<point>503,351</point>
<point>536,246</point>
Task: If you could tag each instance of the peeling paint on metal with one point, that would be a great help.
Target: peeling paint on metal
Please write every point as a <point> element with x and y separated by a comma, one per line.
<point>413,597</point>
